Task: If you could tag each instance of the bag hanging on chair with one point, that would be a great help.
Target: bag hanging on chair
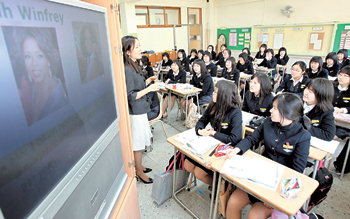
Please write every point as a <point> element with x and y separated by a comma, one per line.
<point>163,182</point>
<point>224,194</point>
<point>192,117</point>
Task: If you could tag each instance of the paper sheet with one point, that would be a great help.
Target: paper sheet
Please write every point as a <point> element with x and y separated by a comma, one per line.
<point>278,41</point>
<point>246,117</point>
<point>313,38</point>
<point>328,146</point>
<point>318,44</point>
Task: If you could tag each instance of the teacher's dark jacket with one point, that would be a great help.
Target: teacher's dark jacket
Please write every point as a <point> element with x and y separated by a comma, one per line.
<point>179,78</point>
<point>228,130</point>
<point>322,124</point>
<point>251,104</point>
<point>135,83</point>
<point>204,82</point>
<point>287,145</point>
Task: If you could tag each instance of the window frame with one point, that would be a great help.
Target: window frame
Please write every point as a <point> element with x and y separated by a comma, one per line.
<point>200,14</point>
<point>164,14</point>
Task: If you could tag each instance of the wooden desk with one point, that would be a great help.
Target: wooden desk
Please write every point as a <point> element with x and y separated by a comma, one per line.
<point>343,120</point>
<point>204,160</point>
<point>273,198</point>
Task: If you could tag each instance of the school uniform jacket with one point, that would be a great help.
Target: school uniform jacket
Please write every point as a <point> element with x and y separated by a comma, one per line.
<point>233,75</point>
<point>246,68</point>
<point>217,58</point>
<point>344,63</point>
<point>168,63</point>
<point>270,64</point>
<point>212,69</point>
<point>341,98</point>
<point>213,55</point>
<point>333,71</point>
<point>322,124</point>
<point>252,105</point>
<point>287,85</point>
<point>205,83</point>
<point>221,62</point>
<point>259,56</point>
<point>185,64</point>
<point>319,74</point>
<point>282,61</point>
<point>148,71</point>
<point>179,78</point>
<point>228,130</point>
<point>287,145</point>
<point>191,59</point>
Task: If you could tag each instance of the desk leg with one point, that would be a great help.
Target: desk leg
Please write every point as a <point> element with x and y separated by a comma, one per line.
<point>217,197</point>
<point>169,102</point>
<point>212,195</point>
<point>245,83</point>
<point>346,160</point>
<point>186,97</point>
<point>174,173</point>
<point>313,176</point>
<point>198,110</point>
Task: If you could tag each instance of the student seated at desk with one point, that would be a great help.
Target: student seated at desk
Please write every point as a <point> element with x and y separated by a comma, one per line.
<point>181,55</point>
<point>212,52</point>
<point>225,55</point>
<point>146,67</point>
<point>296,81</point>
<point>175,75</point>
<point>225,118</point>
<point>220,55</point>
<point>200,54</point>
<point>282,56</point>
<point>341,101</point>
<point>316,69</point>
<point>246,50</point>
<point>166,61</point>
<point>211,67</point>
<point>258,99</point>
<point>193,56</point>
<point>286,142</point>
<point>153,96</point>
<point>331,64</point>
<point>245,65</point>
<point>270,61</point>
<point>318,97</point>
<point>262,52</point>
<point>201,79</point>
<point>343,58</point>
<point>230,71</point>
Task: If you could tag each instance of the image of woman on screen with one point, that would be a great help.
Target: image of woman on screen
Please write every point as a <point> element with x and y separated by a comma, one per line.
<point>39,76</point>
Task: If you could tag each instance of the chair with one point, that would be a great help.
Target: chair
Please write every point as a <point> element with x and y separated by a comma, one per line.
<point>158,118</point>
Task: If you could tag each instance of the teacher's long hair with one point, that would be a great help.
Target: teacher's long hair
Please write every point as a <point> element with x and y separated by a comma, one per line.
<point>128,44</point>
<point>227,99</point>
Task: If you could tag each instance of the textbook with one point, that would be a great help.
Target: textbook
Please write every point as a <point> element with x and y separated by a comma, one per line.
<point>196,144</point>
<point>328,146</point>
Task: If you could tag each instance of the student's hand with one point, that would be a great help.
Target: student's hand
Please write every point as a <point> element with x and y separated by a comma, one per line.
<point>204,132</point>
<point>338,110</point>
<point>231,152</point>
<point>188,73</point>
<point>279,92</point>
<point>167,81</point>
<point>152,87</point>
<point>212,131</point>
<point>154,77</point>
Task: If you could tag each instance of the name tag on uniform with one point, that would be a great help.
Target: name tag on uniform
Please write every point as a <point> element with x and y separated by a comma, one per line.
<point>346,99</point>
<point>224,125</point>
<point>263,110</point>
<point>246,69</point>
<point>315,122</point>
<point>209,70</point>
<point>302,86</point>
<point>287,146</point>
<point>201,83</point>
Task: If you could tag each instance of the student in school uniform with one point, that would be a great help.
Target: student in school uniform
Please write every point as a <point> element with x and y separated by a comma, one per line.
<point>193,56</point>
<point>316,69</point>
<point>262,52</point>
<point>258,99</point>
<point>212,52</point>
<point>343,58</point>
<point>175,75</point>
<point>295,82</point>
<point>230,71</point>
<point>286,142</point>
<point>246,50</point>
<point>282,56</point>
<point>201,79</point>
<point>318,98</point>
<point>244,64</point>
<point>331,64</point>
<point>146,67</point>
<point>220,54</point>
<point>225,118</point>
<point>166,61</point>
<point>211,67</point>
<point>225,55</point>
<point>155,108</point>
<point>270,61</point>
<point>341,101</point>
<point>181,55</point>
<point>200,54</point>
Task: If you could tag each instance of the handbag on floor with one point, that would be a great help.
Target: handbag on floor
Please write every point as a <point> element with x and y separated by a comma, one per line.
<point>163,182</point>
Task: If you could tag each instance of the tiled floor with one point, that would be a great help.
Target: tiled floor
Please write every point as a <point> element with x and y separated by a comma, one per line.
<point>337,204</point>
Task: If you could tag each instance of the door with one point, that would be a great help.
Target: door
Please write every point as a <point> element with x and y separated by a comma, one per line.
<point>194,16</point>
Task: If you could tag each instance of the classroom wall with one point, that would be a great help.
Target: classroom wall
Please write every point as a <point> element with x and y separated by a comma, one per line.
<point>160,39</point>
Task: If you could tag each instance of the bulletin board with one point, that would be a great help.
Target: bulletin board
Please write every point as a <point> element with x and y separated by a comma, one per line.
<point>236,38</point>
<point>307,39</point>
<point>342,37</point>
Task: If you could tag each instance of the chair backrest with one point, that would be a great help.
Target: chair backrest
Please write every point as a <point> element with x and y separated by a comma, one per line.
<point>160,98</point>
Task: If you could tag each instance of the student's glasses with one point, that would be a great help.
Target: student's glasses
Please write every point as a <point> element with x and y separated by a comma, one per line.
<point>343,75</point>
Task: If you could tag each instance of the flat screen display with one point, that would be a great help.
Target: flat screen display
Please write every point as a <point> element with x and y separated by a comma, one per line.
<point>57,96</point>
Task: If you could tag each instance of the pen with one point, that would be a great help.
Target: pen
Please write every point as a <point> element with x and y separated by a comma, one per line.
<point>211,153</point>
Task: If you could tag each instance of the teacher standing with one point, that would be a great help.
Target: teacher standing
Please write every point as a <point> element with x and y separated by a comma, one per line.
<point>139,103</point>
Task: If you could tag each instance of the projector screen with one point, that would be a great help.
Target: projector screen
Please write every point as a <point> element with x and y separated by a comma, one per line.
<point>57,97</point>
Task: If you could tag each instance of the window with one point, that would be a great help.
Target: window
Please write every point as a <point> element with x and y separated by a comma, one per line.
<point>149,16</point>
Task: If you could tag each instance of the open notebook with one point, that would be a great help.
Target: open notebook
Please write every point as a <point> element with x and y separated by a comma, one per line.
<point>262,172</point>
<point>197,144</point>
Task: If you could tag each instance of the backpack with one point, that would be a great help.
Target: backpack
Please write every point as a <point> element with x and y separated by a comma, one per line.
<point>192,117</point>
<point>325,180</point>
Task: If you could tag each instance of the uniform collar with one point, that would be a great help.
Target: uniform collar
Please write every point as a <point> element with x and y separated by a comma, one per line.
<point>340,88</point>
